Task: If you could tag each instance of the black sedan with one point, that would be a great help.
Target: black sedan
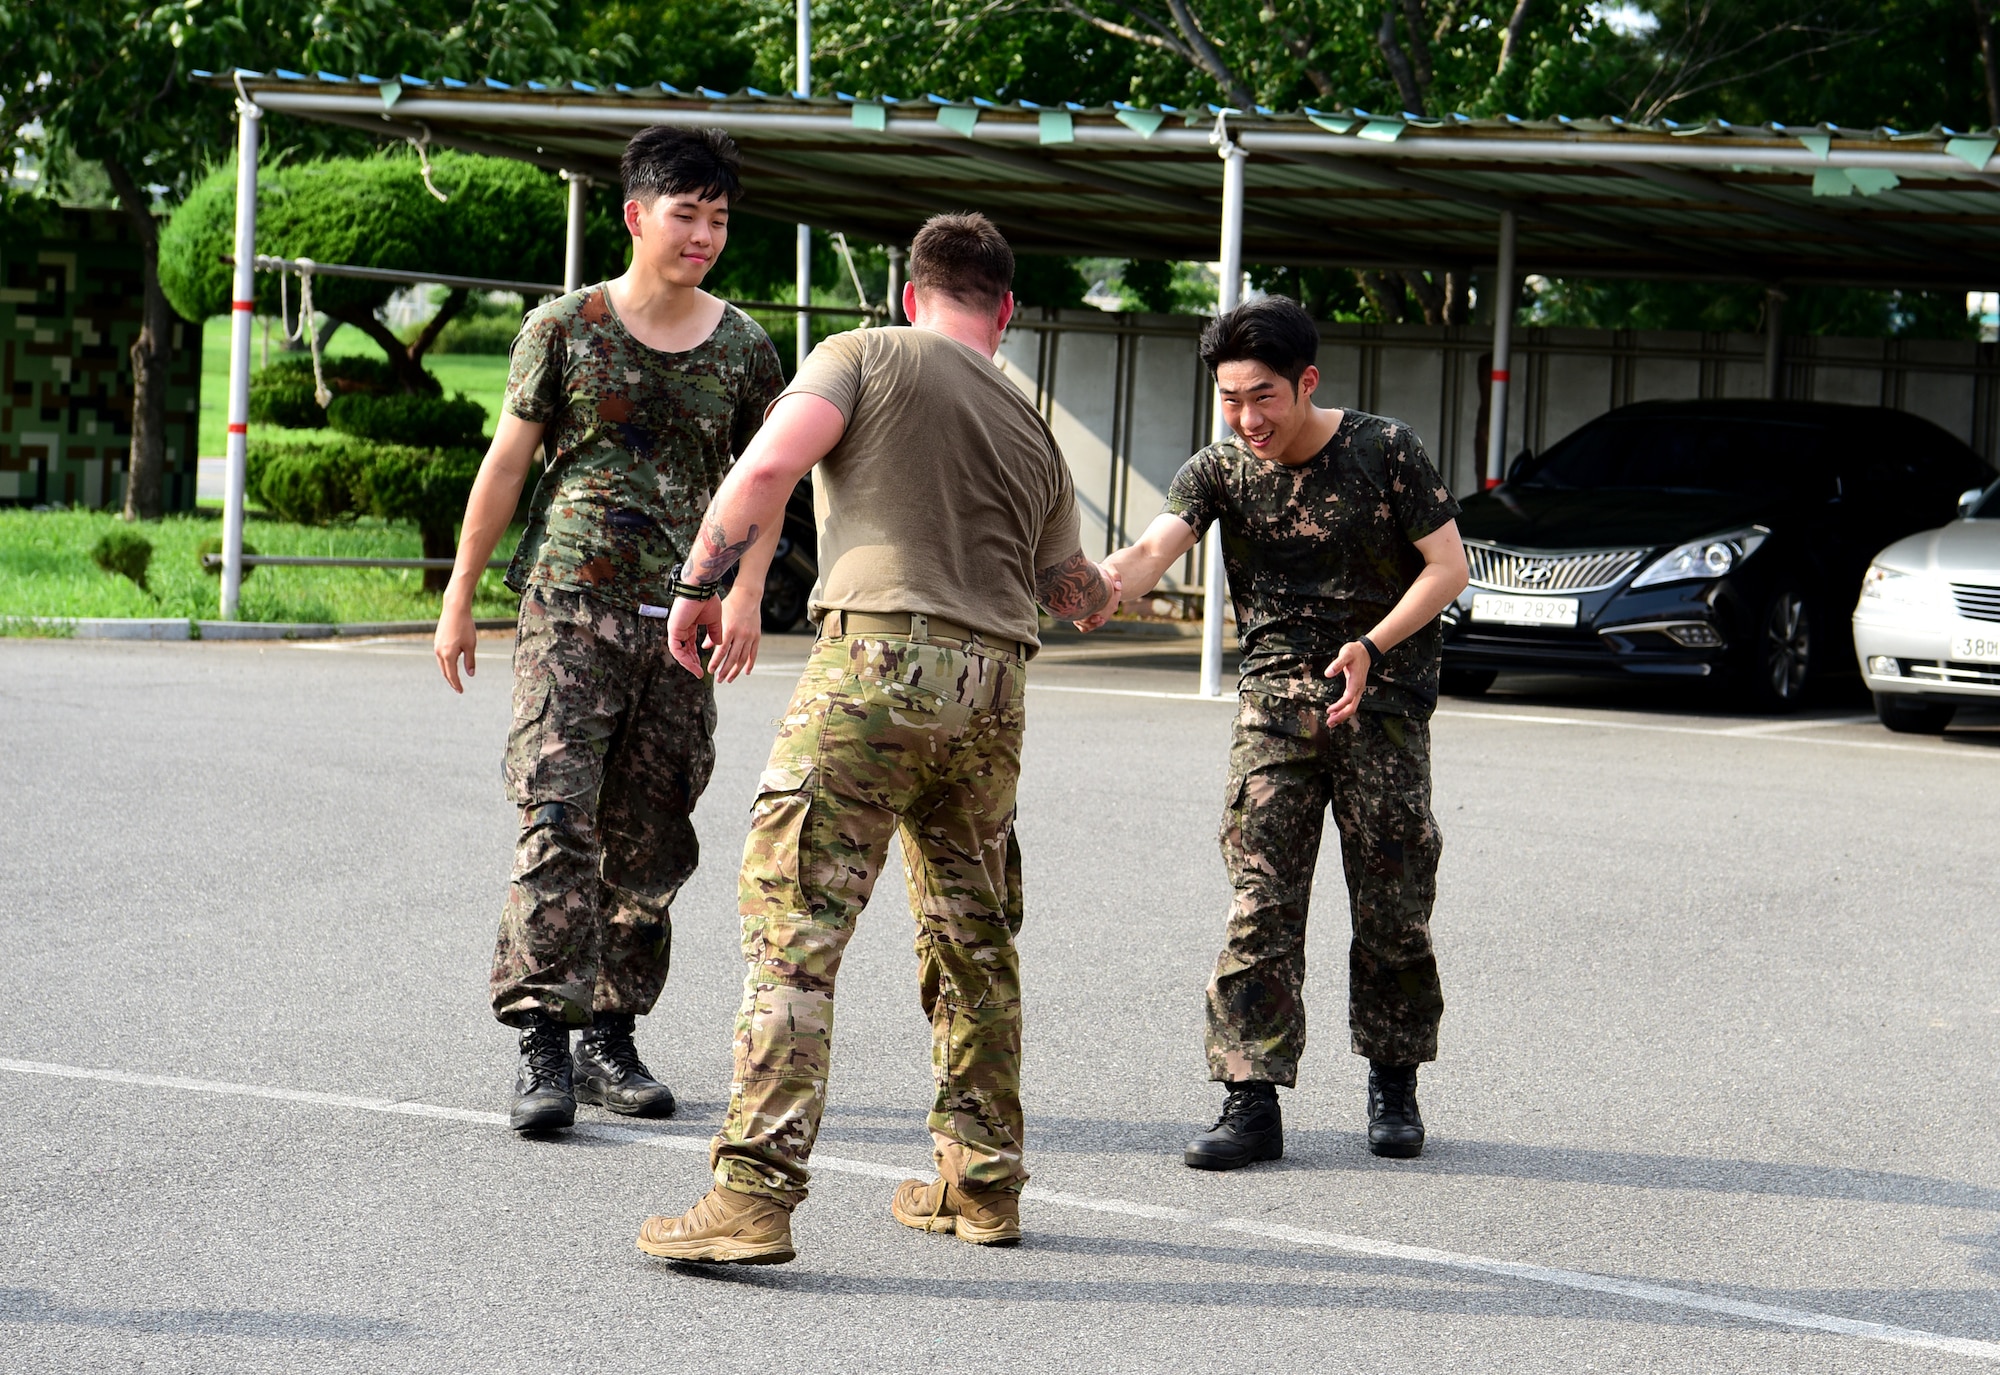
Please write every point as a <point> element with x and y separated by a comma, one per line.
<point>1704,540</point>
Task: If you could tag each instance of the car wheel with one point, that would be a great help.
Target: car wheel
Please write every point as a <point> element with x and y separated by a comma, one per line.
<point>1781,658</point>
<point>1465,682</point>
<point>1913,715</point>
<point>785,595</point>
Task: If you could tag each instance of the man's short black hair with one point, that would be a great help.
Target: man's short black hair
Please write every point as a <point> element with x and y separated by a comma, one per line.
<point>1274,331</point>
<point>665,161</point>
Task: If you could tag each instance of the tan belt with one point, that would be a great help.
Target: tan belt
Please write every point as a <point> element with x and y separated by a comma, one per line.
<point>915,626</point>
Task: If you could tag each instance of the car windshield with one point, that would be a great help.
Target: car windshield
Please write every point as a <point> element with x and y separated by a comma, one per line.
<point>1668,453</point>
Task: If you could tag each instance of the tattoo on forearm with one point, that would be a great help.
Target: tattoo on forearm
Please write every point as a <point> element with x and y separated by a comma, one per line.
<point>717,554</point>
<point>1073,589</point>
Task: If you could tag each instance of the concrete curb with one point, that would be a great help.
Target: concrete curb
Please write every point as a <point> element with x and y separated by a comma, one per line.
<point>306,630</point>
<point>123,628</point>
<point>108,627</point>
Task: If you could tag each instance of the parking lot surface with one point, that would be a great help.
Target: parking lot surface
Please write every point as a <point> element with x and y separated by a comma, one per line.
<point>1716,1089</point>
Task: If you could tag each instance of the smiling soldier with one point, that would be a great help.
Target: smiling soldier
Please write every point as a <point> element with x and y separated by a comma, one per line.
<point>643,388</point>
<point>1341,546</point>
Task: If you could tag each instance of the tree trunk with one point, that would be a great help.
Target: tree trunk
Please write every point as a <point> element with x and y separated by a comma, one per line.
<point>1982,15</point>
<point>1457,299</point>
<point>1385,292</point>
<point>454,305</point>
<point>1430,296</point>
<point>409,370</point>
<point>440,542</point>
<point>146,462</point>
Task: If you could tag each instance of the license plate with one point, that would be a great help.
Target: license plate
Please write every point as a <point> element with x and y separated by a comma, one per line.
<point>1976,649</point>
<point>1492,606</point>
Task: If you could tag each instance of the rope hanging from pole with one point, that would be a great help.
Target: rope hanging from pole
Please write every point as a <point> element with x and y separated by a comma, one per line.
<point>423,147</point>
<point>854,275</point>
<point>320,392</point>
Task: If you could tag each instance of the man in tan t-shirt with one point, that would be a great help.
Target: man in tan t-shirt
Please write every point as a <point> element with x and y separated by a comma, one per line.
<point>948,514</point>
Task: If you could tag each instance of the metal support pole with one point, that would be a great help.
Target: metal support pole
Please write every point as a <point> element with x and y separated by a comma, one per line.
<point>579,198</point>
<point>1503,354</point>
<point>1229,294</point>
<point>896,286</point>
<point>242,302</point>
<point>805,269</point>
<point>1774,344</point>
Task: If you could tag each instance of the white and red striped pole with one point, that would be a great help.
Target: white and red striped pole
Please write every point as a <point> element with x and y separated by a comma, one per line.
<point>1503,348</point>
<point>242,304</point>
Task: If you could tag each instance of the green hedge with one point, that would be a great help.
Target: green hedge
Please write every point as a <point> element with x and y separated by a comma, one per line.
<point>282,393</point>
<point>427,422</point>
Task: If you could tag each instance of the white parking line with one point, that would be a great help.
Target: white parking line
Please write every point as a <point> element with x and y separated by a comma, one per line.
<point>1639,1290</point>
<point>1727,732</point>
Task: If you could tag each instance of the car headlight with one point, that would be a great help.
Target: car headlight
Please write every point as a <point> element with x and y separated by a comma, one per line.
<point>1703,558</point>
<point>1886,587</point>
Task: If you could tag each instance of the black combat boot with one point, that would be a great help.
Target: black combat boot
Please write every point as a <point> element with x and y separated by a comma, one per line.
<point>1250,1129</point>
<point>543,1099</point>
<point>610,1073</point>
<point>1395,1127</point>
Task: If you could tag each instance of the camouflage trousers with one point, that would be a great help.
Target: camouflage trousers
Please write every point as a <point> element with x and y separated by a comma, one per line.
<point>1286,766</point>
<point>611,746</point>
<point>884,735</point>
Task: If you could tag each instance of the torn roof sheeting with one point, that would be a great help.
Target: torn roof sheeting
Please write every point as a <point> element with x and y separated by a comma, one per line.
<point>1345,187</point>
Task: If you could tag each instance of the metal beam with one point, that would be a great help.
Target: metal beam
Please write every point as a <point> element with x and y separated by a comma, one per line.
<point>1841,226</point>
<point>1042,169</point>
<point>1526,209</point>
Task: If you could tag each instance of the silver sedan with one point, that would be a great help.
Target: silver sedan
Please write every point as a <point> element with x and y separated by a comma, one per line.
<point>1927,627</point>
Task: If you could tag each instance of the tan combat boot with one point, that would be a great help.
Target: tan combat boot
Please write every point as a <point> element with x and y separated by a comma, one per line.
<point>725,1228</point>
<point>988,1217</point>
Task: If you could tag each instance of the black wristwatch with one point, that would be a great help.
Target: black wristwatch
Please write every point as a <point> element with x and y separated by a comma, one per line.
<point>1374,654</point>
<point>693,591</point>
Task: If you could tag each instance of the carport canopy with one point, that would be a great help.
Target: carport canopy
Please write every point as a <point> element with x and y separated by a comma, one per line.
<point>1770,204</point>
<point>1347,188</point>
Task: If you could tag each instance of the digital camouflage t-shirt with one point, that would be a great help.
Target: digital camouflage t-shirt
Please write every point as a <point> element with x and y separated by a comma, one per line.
<point>637,442</point>
<point>1318,554</point>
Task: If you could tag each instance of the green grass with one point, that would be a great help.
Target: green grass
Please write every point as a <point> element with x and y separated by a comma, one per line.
<point>481,376</point>
<point>46,570</point>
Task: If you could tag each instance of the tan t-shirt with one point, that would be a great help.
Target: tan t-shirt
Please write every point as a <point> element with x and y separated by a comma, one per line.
<point>947,491</point>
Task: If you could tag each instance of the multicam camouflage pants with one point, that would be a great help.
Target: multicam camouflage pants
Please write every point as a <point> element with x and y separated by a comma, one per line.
<point>611,747</point>
<point>884,734</point>
<point>1285,767</point>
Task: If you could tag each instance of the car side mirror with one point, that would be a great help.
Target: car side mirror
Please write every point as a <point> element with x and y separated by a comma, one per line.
<point>1968,499</point>
<point>1520,463</point>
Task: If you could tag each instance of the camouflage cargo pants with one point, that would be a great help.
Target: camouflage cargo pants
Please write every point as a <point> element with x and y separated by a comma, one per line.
<point>1285,768</point>
<point>884,734</point>
<point>611,747</point>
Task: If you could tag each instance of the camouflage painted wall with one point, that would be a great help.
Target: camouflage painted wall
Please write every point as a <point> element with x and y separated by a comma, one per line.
<point>69,310</point>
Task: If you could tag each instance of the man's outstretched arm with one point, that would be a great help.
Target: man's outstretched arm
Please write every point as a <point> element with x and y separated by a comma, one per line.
<point>1077,590</point>
<point>1140,566</point>
<point>800,430</point>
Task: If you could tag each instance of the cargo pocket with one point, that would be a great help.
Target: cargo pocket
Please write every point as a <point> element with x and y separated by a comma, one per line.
<point>771,858</point>
<point>525,738</point>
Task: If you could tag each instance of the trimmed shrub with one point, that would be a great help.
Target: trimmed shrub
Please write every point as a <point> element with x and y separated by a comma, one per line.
<point>213,545</point>
<point>313,484</point>
<point>124,552</point>
<point>425,422</point>
<point>479,334</point>
<point>282,393</point>
<point>427,487</point>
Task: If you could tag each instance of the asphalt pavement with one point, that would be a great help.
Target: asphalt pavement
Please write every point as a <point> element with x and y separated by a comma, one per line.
<point>1716,1089</point>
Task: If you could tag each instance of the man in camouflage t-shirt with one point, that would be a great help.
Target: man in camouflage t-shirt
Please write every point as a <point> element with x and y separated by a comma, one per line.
<point>1341,546</point>
<point>639,390</point>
